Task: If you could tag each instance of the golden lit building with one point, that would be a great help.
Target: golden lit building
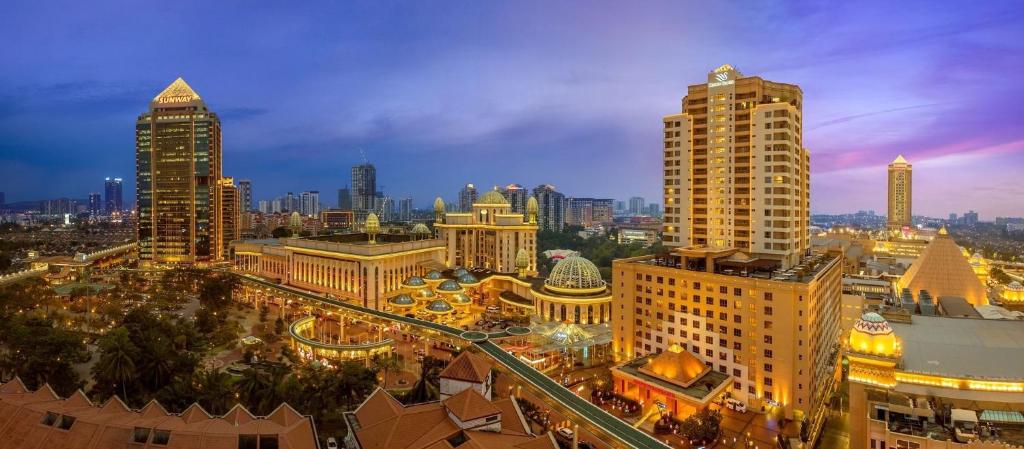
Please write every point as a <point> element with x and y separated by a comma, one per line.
<point>773,332</point>
<point>736,173</point>
<point>931,382</point>
<point>980,267</point>
<point>230,216</point>
<point>1013,293</point>
<point>942,270</point>
<point>675,378</point>
<point>489,236</point>
<point>900,187</point>
<point>178,173</point>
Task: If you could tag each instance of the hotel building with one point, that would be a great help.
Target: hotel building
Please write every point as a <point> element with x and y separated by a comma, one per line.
<point>178,174</point>
<point>900,185</point>
<point>736,172</point>
<point>230,215</point>
<point>489,235</point>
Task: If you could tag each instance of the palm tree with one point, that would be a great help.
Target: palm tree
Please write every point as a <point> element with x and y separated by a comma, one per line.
<point>214,391</point>
<point>253,388</point>
<point>385,363</point>
<point>117,363</point>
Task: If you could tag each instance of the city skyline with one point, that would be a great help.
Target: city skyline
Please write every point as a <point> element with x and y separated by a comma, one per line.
<point>469,109</point>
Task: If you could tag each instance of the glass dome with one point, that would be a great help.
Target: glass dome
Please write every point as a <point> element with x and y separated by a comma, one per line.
<point>433,275</point>
<point>575,273</point>
<point>449,286</point>
<point>439,306</point>
<point>414,281</point>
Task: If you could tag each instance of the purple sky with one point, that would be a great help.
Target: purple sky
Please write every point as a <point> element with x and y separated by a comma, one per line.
<point>570,93</point>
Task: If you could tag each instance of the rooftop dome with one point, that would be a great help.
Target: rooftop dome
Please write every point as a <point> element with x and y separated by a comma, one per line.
<point>492,197</point>
<point>420,229</point>
<point>1016,286</point>
<point>575,274</point>
<point>426,293</point>
<point>522,258</point>
<point>531,205</point>
<point>433,275</point>
<point>461,299</point>
<point>372,224</point>
<point>439,306</point>
<point>439,205</point>
<point>872,334</point>
<point>414,281</point>
<point>449,285</point>
<point>403,300</point>
<point>459,272</point>
<point>468,279</point>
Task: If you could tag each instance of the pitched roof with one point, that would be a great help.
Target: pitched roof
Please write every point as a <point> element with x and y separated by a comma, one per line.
<point>468,367</point>
<point>676,365</point>
<point>177,92</point>
<point>468,405</point>
<point>943,270</point>
<point>900,160</point>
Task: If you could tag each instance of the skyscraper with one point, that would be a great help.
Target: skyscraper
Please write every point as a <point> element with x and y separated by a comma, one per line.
<point>551,208</point>
<point>636,206</point>
<point>603,210</point>
<point>384,207</point>
<point>114,195</point>
<point>736,172</point>
<point>95,204</point>
<point>405,209</point>
<point>310,206</point>
<point>467,196</point>
<point>230,225</point>
<point>344,199</point>
<point>178,155</point>
<point>516,196</point>
<point>900,185</point>
<point>245,193</point>
<point>264,206</point>
<point>364,189</point>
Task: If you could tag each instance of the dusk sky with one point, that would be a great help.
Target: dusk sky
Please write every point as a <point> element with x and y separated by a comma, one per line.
<point>438,94</point>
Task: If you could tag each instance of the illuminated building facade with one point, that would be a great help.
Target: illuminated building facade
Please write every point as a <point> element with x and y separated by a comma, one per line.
<point>178,160</point>
<point>900,184</point>
<point>488,236</point>
<point>113,191</point>
<point>944,270</point>
<point>736,174</point>
<point>929,382</point>
<point>773,332</point>
<point>230,215</point>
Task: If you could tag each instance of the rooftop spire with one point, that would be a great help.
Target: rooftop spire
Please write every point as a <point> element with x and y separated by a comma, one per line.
<point>177,92</point>
<point>900,160</point>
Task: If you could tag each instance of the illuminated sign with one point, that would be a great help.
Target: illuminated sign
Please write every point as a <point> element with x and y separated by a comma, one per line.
<point>721,83</point>
<point>175,99</point>
<point>721,76</point>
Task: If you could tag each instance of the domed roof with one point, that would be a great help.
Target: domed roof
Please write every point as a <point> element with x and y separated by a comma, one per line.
<point>873,324</point>
<point>420,229</point>
<point>439,205</point>
<point>414,281</point>
<point>439,306</point>
<point>426,293</point>
<point>522,258</point>
<point>433,275</point>
<point>460,299</point>
<point>449,285</point>
<point>459,272</point>
<point>575,273</point>
<point>1016,286</point>
<point>372,224</point>
<point>492,197</point>
<point>402,300</point>
<point>872,334</point>
<point>531,205</point>
<point>468,279</point>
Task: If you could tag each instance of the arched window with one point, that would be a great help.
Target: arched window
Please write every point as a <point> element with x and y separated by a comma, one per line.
<point>576,315</point>
<point>563,313</point>
<point>590,314</point>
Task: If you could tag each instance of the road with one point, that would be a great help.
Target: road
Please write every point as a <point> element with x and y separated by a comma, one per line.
<point>615,428</point>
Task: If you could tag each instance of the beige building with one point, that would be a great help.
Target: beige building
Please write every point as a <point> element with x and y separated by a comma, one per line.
<point>178,174</point>
<point>774,332</point>
<point>736,172</point>
<point>230,216</point>
<point>900,185</point>
<point>489,236</point>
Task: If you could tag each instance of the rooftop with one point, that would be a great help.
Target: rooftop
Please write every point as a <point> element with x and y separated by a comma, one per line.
<point>962,347</point>
<point>700,387</point>
<point>736,263</point>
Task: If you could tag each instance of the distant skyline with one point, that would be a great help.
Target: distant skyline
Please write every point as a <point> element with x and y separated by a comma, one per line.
<point>441,94</point>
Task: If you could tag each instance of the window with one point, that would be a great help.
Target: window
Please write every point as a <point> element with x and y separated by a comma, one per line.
<point>140,435</point>
<point>247,442</point>
<point>768,353</point>
<point>492,418</point>
<point>767,296</point>
<point>66,422</point>
<point>723,290</point>
<point>767,367</point>
<point>767,382</point>
<point>768,310</point>
<point>161,437</point>
<point>768,339</point>
<point>901,444</point>
<point>49,419</point>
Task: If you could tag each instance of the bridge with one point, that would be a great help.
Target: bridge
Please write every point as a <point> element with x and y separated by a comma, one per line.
<point>619,431</point>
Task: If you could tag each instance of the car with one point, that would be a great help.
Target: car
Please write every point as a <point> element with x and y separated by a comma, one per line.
<point>332,443</point>
<point>736,404</point>
<point>565,432</point>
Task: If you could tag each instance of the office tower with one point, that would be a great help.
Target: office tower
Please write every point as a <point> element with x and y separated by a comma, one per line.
<point>654,210</point>
<point>95,204</point>
<point>364,189</point>
<point>230,215</point>
<point>467,196</point>
<point>900,187</point>
<point>384,207</point>
<point>516,196</point>
<point>264,206</point>
<point>405,209</point>
<point>245,193</point>
<point>636,206</point>
<point>551,208</point>
<point>310,205</point>
<point>178,155</point>
<point>735,169</point>
<point>291,203</point>
<point>344,199</point>
<point>114,195</point>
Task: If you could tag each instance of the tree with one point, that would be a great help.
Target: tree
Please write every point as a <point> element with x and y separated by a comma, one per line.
<point>39,352</point>
<point>253,388</point>
<point>280,232</point>
<point>116,367</point>
<point>213,391</point>
<point>279,326</point>
<point>385,363</point>
<point>702,426</point>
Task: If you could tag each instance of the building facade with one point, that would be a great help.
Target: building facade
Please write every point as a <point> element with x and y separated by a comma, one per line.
<point>344,199</point>
<point>900,185</point>
<point>467,196</point>
<point>736,173</point>
<point>490,236</point>
<point>113,190</point>
<point>551,208</point>
<point>364,189</point>
<point>178,160</point>
<point>245,193</point>
<point>95,204</point>
<point>310,203</point>
<point>230,225</point>
<point>517,197</point>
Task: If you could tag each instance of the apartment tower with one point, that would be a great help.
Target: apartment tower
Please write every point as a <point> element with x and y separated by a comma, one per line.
<point>736,172</point>
<point>900,185</point>
<point>230,215</point>
<point>178,163</point>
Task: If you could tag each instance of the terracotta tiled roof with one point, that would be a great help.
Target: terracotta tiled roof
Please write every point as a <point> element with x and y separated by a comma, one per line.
<point>468,367</point>
<point>112,425</point>
<point>469,405</point>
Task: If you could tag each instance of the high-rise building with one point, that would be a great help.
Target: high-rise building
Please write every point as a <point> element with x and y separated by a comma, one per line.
<point>344,199</point>
<point>310,204</point>
<point>245,193</point>
<point>970,218</point>
<point>95,204</point>
<point>384,207</point>
<point>654,210</point>
<point>277,206</point>
<point>636,206</point>
<point>264,206</point>
<point>114,195</point>
<point>292,203</point>
<point>620,206</point>
<point>735,169</point>
<point>405,209</point>
<point>467,196</point>
<point>230,215</point>
<point>952,218</point>
<point>900,185</point>
<point>178,155</point>
<point>364,189</point>
<point>551,208</point>
<point>603,210</point>
<point>516,196</point>
<point>588,211</point>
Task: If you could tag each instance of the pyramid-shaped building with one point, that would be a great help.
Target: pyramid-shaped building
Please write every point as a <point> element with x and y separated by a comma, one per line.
<point>942,270</point>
